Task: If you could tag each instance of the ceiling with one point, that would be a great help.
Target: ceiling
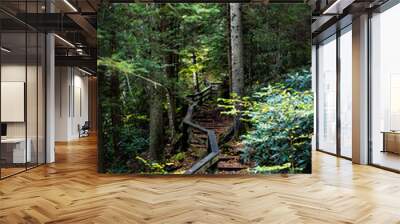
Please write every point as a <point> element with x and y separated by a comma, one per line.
<point>74,22</point>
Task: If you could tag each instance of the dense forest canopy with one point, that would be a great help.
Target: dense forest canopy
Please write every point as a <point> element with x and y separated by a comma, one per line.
<point>151,56</point>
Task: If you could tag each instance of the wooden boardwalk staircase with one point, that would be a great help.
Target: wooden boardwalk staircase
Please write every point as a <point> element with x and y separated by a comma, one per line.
<point>206,129</point>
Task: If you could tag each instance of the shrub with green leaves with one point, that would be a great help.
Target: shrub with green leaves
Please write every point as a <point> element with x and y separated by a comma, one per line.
<point>280,117</point>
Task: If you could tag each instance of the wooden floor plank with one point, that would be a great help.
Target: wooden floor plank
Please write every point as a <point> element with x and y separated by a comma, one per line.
<point>71,191</point>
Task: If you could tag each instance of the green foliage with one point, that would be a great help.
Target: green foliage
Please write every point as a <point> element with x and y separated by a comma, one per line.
<point>204,35</point>
<point>151,167</point>
<point>281,119</point>
<point>122,73</point>
<point>179,157</point>
<point>231,105</point>
<point>135,42</point>
<point>271,169</point>
<point>140,43</point>
<point>276,39</point>
<point>298,80</point>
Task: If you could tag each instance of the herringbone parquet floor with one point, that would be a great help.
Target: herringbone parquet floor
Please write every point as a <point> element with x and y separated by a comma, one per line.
<point>70,191</point>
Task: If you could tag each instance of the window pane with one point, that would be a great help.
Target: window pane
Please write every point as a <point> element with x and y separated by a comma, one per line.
<point>15,151</point>
<point>41,98</point>
<point>32,96</point>
<point>327,95</point>
<point>346,93</point>
<point>386,89</point>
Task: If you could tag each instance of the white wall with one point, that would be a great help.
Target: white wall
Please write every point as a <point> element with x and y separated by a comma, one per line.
<point>16,73</point>
<point>71,102</point>
<point>33,127</point>
<point>12,73</point>
<point>81,97</point>
<point>62,82</point>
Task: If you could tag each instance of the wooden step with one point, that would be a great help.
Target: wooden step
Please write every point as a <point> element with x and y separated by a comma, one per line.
<point>226,157</point>
<point>230,165</point>
<point>199,146</point>
<point>200,136</point>
<point>204,120</point>
<point>213,126</point>
<point>198,132</point>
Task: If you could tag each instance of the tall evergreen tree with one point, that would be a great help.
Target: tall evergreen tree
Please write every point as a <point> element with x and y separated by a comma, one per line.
<point>237,56</point>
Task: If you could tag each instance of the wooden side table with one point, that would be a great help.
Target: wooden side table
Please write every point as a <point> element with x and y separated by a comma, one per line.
<point>391,141</point>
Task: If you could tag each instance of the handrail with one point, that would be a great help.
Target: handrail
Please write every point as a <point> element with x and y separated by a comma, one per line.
<point>199,96</point>
<point>212,146</point>
<point>200,93</point>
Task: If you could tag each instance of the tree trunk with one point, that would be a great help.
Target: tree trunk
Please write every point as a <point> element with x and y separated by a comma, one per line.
<point>171,70</point>
<point>195,75</point>
<point>156,124</point>
<point>228,13</point>
<point>116,111</point>
<point>237,57</point>
<point>172,74</point>
<point>171,113</point>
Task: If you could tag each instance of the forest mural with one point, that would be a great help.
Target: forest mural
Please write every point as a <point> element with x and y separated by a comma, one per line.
<point>205,88</point>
